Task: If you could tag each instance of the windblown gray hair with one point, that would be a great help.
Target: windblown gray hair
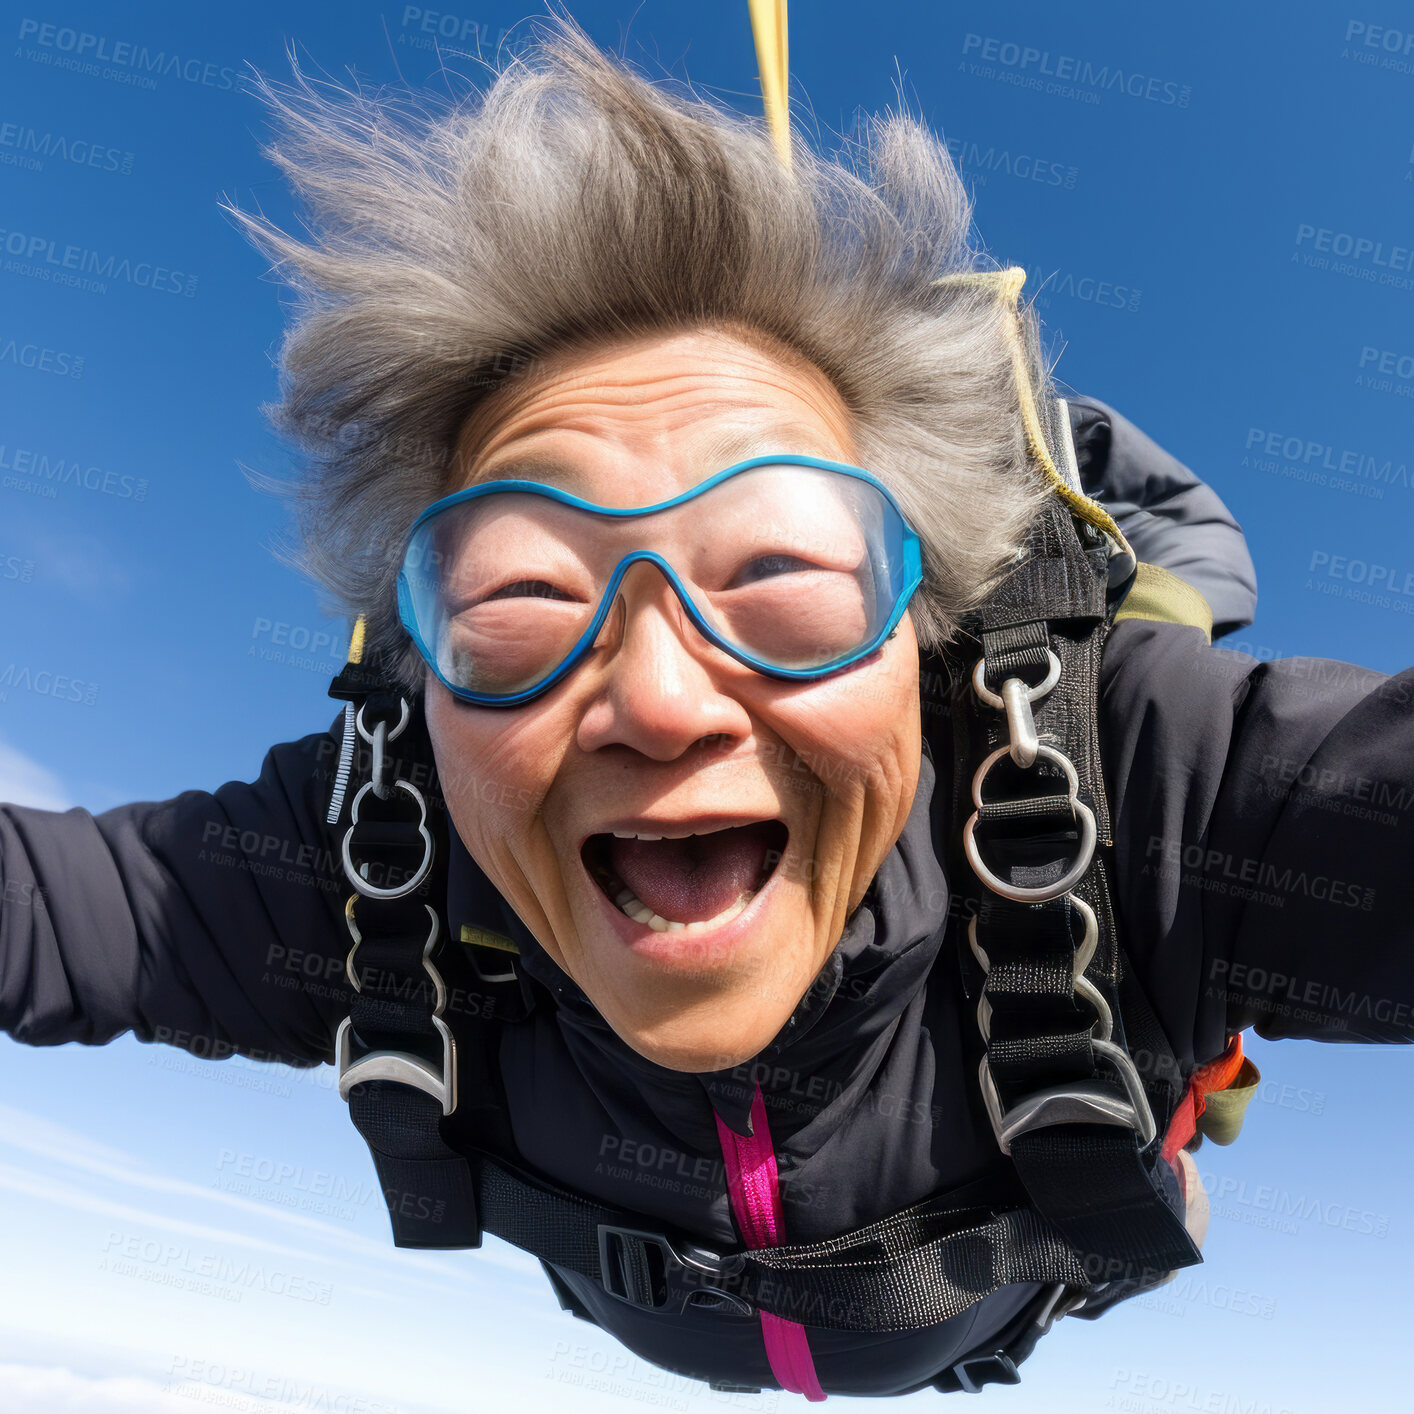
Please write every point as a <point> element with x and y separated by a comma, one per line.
<point>456,244</point>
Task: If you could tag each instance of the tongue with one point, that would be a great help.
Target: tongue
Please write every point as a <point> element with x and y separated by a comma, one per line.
<point>690,880</point>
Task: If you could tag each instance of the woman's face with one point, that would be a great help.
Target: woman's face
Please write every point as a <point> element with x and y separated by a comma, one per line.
<point>658,733</point>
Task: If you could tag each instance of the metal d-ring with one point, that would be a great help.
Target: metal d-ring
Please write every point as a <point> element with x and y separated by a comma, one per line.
<point>1016,892</point>
<point>357,879</point>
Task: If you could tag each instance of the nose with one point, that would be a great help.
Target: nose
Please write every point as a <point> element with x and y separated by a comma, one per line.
<point>659,690</point>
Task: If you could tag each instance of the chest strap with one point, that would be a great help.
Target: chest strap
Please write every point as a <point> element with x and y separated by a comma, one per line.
<point>1073,1100</point>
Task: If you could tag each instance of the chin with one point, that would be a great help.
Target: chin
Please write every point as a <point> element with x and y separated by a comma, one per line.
<point>700,1050</point>
<point>698,1004</point>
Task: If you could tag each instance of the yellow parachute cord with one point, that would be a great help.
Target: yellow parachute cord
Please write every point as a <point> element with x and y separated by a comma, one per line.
<point>356,641</point>
<point>1008,284</point>
<point>768,27</point>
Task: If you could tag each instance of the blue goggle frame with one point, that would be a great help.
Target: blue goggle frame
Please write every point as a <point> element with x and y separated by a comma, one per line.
<point>908,570</point>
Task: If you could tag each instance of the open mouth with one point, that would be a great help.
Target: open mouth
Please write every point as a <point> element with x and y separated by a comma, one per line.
<point>686,884</point>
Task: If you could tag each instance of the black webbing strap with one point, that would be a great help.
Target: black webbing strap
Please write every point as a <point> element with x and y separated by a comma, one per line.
<point>1108,1195</point>
<point>428,1186</point>
<point>910,1270</point>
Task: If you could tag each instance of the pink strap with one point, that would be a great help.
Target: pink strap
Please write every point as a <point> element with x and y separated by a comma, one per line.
<point>756,1203</point>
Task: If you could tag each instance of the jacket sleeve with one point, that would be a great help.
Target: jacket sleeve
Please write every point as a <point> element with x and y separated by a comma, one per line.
<point>212,921</point>
<point>1263,814</point>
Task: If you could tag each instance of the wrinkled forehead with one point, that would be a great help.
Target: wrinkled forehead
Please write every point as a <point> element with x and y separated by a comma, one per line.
<point>611,475</point>
<point>641,420</point>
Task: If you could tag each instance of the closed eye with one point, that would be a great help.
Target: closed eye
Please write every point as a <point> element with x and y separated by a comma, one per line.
<point>766,566</point>
<point>527,589</point>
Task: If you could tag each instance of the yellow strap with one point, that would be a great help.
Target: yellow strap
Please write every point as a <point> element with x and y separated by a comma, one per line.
<point>356,641</point>
<point>1221,1120</point>
<point>1008,284</point>
<point>768,27</point>
<point>1157,594</point>
<point>483,938</point>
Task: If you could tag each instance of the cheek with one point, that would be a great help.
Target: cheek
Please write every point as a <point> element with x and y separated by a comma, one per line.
<point>494,773</point>
<point>865,731</point>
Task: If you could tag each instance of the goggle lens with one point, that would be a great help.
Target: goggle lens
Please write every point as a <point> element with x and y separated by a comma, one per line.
<point>793,568</point>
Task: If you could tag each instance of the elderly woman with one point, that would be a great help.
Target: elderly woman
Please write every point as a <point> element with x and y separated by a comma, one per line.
<point>707,522</point>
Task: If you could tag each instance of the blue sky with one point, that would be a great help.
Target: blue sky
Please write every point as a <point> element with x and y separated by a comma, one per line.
<point>1223,245</point>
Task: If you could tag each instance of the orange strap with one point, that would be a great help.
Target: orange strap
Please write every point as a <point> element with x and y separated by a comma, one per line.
<point>1216,1075</point>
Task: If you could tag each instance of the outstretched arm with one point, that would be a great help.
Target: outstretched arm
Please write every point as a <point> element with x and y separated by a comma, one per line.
<point>212,921</point>
<point>1264,813</point>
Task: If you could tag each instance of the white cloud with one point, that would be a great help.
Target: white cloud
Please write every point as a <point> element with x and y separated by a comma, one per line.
<point>23,781</point>
<point>52,1389</point>
<point>47,1139</point>
<point>34,1389</point>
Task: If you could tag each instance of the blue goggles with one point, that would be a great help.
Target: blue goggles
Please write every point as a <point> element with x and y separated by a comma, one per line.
<point>793,565</point>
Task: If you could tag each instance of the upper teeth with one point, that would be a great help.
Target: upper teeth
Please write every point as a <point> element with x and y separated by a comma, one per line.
<point>683,835</point>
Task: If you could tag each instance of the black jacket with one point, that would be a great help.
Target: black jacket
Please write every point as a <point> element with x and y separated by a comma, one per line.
<point>1261,814</point>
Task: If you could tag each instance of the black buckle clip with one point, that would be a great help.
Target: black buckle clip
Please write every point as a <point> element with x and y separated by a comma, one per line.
<point>998,1369</point>
<point>637,1266</point>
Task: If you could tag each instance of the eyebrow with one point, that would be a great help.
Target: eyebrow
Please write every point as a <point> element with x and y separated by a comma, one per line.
<point>717,452</point>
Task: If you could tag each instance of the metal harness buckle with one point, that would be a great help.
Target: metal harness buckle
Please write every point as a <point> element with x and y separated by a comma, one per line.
<point>402,1066</point>
<point>1000,1370</point>
<point>1089,1102</point>
<point>635,1265</point>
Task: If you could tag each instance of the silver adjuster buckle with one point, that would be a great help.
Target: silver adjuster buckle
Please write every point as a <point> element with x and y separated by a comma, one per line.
<point>401,1066</point>
<point>1089,1102</point>
<point>1103,1025</point>
<point>434,925</point>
